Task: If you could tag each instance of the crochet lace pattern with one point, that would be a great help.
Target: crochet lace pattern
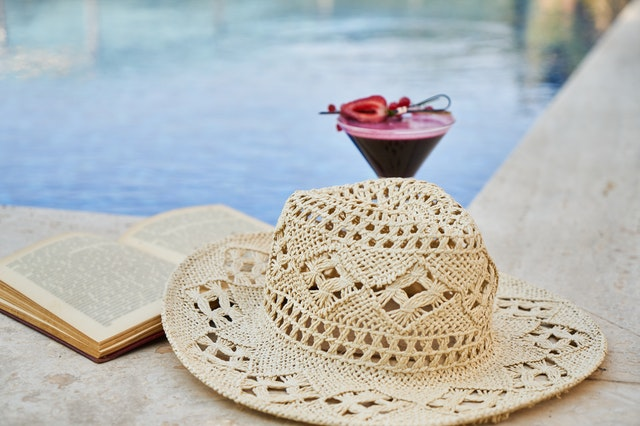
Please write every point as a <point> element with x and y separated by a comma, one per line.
<point>374,303</point>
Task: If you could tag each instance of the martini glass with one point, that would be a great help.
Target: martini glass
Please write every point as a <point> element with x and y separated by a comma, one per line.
<point>398,146</point>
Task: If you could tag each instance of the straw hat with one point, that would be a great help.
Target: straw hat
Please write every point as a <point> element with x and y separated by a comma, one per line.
<point>373,303</point>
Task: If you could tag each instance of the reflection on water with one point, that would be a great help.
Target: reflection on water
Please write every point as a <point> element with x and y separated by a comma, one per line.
<point>555,35</point>
<point>138,107</point>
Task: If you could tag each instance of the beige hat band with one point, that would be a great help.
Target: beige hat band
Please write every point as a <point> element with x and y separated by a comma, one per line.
<point>429,319</point>
<point>375,349</point>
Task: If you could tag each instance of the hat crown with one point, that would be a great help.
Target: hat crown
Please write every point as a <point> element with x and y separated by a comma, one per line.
<point>387,273</point>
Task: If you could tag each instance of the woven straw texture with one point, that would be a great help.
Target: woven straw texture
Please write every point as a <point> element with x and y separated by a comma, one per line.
<point>373,303</point>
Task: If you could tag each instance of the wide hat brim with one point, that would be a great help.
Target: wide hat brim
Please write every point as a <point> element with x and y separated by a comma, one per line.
<point>214,319</point>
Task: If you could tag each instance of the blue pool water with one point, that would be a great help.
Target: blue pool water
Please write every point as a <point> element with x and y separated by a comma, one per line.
<point>137,107</point>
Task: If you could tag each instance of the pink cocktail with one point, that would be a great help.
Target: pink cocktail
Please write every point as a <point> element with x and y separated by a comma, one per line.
<point>397,147</point>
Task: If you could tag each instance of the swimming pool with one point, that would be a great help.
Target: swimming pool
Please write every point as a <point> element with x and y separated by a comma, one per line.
<point>138,107</point>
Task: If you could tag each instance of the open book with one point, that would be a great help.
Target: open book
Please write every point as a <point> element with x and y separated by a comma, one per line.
<point>103,297</point>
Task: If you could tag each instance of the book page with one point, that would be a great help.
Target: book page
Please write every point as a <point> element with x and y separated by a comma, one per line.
<point>95,284</point>
<point>177,233</point>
